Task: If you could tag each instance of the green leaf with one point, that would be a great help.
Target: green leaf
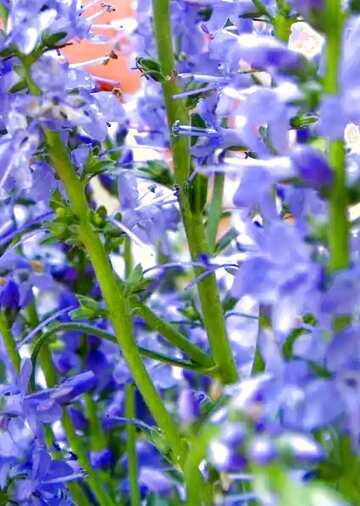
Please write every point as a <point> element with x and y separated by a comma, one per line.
<point>225,240</point>
<point>89,309</point>
<point>196,121</point>
<point>136,282</point>
<point>150,68</point>
<point>51,40</point>
<point>159,172</point>
<point>57,200</point>
<point>136,275</point>
<point>19,86</point>
<point>192,100</point>
<point>197,192</point>
<point>287,348</point>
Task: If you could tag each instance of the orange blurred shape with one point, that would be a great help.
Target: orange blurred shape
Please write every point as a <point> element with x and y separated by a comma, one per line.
<point>117,68</point>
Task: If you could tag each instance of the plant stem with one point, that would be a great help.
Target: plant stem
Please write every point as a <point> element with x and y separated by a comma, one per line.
<point>10,343</point>
<point>193,220</point>
<point>198,493</point>
<point>113,293</point>
<point>215,210</point>
<point>169,332</point>
<point>338,212</point>
<point>73,440</point>
<point>76,445</point>
<point>135,497</point>
<point>50,374</point>
<point>78,494</point>
<point>97,437</point>
<point>45,353</point>
<point>88,329</point>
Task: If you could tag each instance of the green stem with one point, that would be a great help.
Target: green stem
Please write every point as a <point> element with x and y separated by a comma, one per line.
<point>45,353</point>
<point>338,212</point>
<point>258,365</point>
<point>170,333</point>
<point>198,492</point>
<point>74,441</point>
<point>89,330</point>
<point>215,210</point>
<point>92,479</point>
<point>78,494</point>
<point>193,220</point>
<point>10,343</point>
<point>135,496</point>
<point>97,437</point>
<point>261,8</point>
<point>113,293</point>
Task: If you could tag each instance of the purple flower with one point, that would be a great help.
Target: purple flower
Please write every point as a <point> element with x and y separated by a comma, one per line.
<point>47,480</point>
<point>101,459</point>
<point>301,447</point>
<point>10,296</point>
<point>155,480</point>
<point>311,166</point>
<point>74,386</point>
<point>262,450</point>
<point>28,23</point>
<point>188,406</point>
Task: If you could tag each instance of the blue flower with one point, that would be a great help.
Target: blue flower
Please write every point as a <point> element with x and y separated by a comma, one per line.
<point>312,166</point>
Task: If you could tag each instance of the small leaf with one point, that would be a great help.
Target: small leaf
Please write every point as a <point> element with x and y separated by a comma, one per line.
<point>53,39</point>
<point>19,86</point>
<point>225,240</point>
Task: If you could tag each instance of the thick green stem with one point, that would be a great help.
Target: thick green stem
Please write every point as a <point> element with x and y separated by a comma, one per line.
<point>117,305</point>
<point>135,497</point>
<point>338,212</point>
<point>193,220</point>
<point>10,343</point>
<point>198,492</point>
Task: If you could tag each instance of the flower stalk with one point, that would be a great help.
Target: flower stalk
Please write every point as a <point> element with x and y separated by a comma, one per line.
<point>193,220</point>
<point>135,497</point>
